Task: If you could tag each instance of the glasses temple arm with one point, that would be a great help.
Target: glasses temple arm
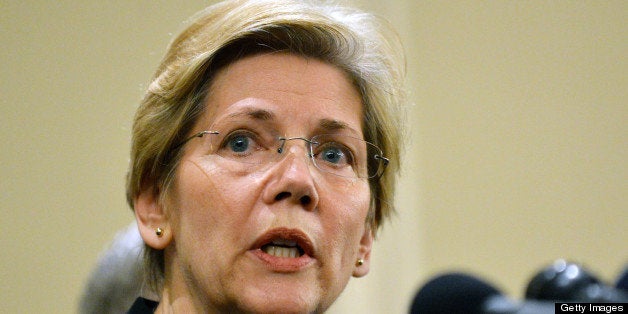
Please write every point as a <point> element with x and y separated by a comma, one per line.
<point>199,134</point>
<point>383,159</point>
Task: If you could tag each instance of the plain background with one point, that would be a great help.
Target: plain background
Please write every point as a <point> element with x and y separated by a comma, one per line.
<point>516,155</point>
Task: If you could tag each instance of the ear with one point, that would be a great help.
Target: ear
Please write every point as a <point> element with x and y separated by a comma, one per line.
<point>150,215</point>
<point>364,253</point>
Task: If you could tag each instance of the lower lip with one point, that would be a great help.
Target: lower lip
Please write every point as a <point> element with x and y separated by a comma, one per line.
<point>283,264</point>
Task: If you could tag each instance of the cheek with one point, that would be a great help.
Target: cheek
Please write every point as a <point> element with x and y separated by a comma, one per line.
<point>211,203</point>
<point>354,197</point>
<point>212,213</point>
<point>344,216</point>
<point>196,191</point>
<point>205,185</point>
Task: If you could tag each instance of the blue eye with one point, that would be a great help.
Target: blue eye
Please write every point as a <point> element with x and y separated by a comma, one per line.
<point>239,143</point>
<point>333,155</point>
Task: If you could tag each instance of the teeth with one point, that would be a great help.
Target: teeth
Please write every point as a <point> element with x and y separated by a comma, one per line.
<point>281,251</point>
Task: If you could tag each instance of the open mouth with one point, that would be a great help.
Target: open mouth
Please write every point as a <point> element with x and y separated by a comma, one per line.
<point>283,248</point>
<point>284,243</point>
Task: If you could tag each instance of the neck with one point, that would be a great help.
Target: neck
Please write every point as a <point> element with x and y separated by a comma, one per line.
<point>178,296</point>
<point>170,304</point>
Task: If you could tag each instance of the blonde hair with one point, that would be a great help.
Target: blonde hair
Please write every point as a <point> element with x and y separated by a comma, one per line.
<point>358,43</point>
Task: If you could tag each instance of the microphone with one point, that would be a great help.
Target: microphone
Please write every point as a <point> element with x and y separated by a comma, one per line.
<point>457,293</point>
<point>564,281</point>
<point>622,282</point>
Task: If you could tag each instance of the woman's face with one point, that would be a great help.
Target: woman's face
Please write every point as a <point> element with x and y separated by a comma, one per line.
<point>277,237</point>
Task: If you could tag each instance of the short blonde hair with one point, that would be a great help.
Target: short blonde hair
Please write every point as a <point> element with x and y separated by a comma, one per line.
<point>360,44</point>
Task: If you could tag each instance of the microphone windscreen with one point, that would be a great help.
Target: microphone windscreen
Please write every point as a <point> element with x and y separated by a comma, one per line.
<point>561,281</point>
<point>452,293</point>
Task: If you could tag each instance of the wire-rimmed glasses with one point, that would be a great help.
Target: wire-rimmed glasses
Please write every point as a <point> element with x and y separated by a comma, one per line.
<point>337,154</point>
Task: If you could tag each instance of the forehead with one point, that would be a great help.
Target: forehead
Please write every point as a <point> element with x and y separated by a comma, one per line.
<point>286,88</point>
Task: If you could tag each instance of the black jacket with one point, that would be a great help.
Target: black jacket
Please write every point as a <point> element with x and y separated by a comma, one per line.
<point>143,306</point>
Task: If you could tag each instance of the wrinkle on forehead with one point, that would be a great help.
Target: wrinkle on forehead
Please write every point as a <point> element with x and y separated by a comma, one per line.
<point>283,89</point>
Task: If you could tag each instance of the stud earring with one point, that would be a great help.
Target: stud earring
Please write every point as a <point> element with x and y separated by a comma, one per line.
<point>159,232</point>
<point>359,262</point>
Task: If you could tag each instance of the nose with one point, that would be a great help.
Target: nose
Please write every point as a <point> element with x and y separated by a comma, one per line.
<point>290,180</point>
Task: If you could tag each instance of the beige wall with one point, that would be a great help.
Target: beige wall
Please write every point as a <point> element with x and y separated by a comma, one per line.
<point>517,153</point>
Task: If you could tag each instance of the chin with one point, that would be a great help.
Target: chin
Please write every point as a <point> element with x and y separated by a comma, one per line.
<point>280,297</point>
<point>279,306</point>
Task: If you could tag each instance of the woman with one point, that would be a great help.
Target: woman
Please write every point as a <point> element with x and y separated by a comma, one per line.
<point>264,156</point>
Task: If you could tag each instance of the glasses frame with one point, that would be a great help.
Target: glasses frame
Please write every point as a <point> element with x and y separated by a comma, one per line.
<point>384,161</point>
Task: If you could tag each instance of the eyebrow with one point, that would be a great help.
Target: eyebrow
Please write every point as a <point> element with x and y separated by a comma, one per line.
<point>256,114</point>
<point>332,125</point>
<point>327,125</point>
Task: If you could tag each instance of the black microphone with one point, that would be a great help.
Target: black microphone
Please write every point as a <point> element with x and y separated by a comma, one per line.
<point>457,293</point>
<point>565,281</point>
<point>622,282</point>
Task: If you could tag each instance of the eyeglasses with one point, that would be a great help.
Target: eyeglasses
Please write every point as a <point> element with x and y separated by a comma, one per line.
<point>339,155</point>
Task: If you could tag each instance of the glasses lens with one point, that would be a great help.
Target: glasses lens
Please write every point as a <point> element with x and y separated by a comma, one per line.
<point>246,146</point>
<point>346,156</point>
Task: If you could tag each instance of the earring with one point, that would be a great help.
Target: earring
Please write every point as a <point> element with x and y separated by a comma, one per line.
<point>159,232</point>
<point>359,262</point>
